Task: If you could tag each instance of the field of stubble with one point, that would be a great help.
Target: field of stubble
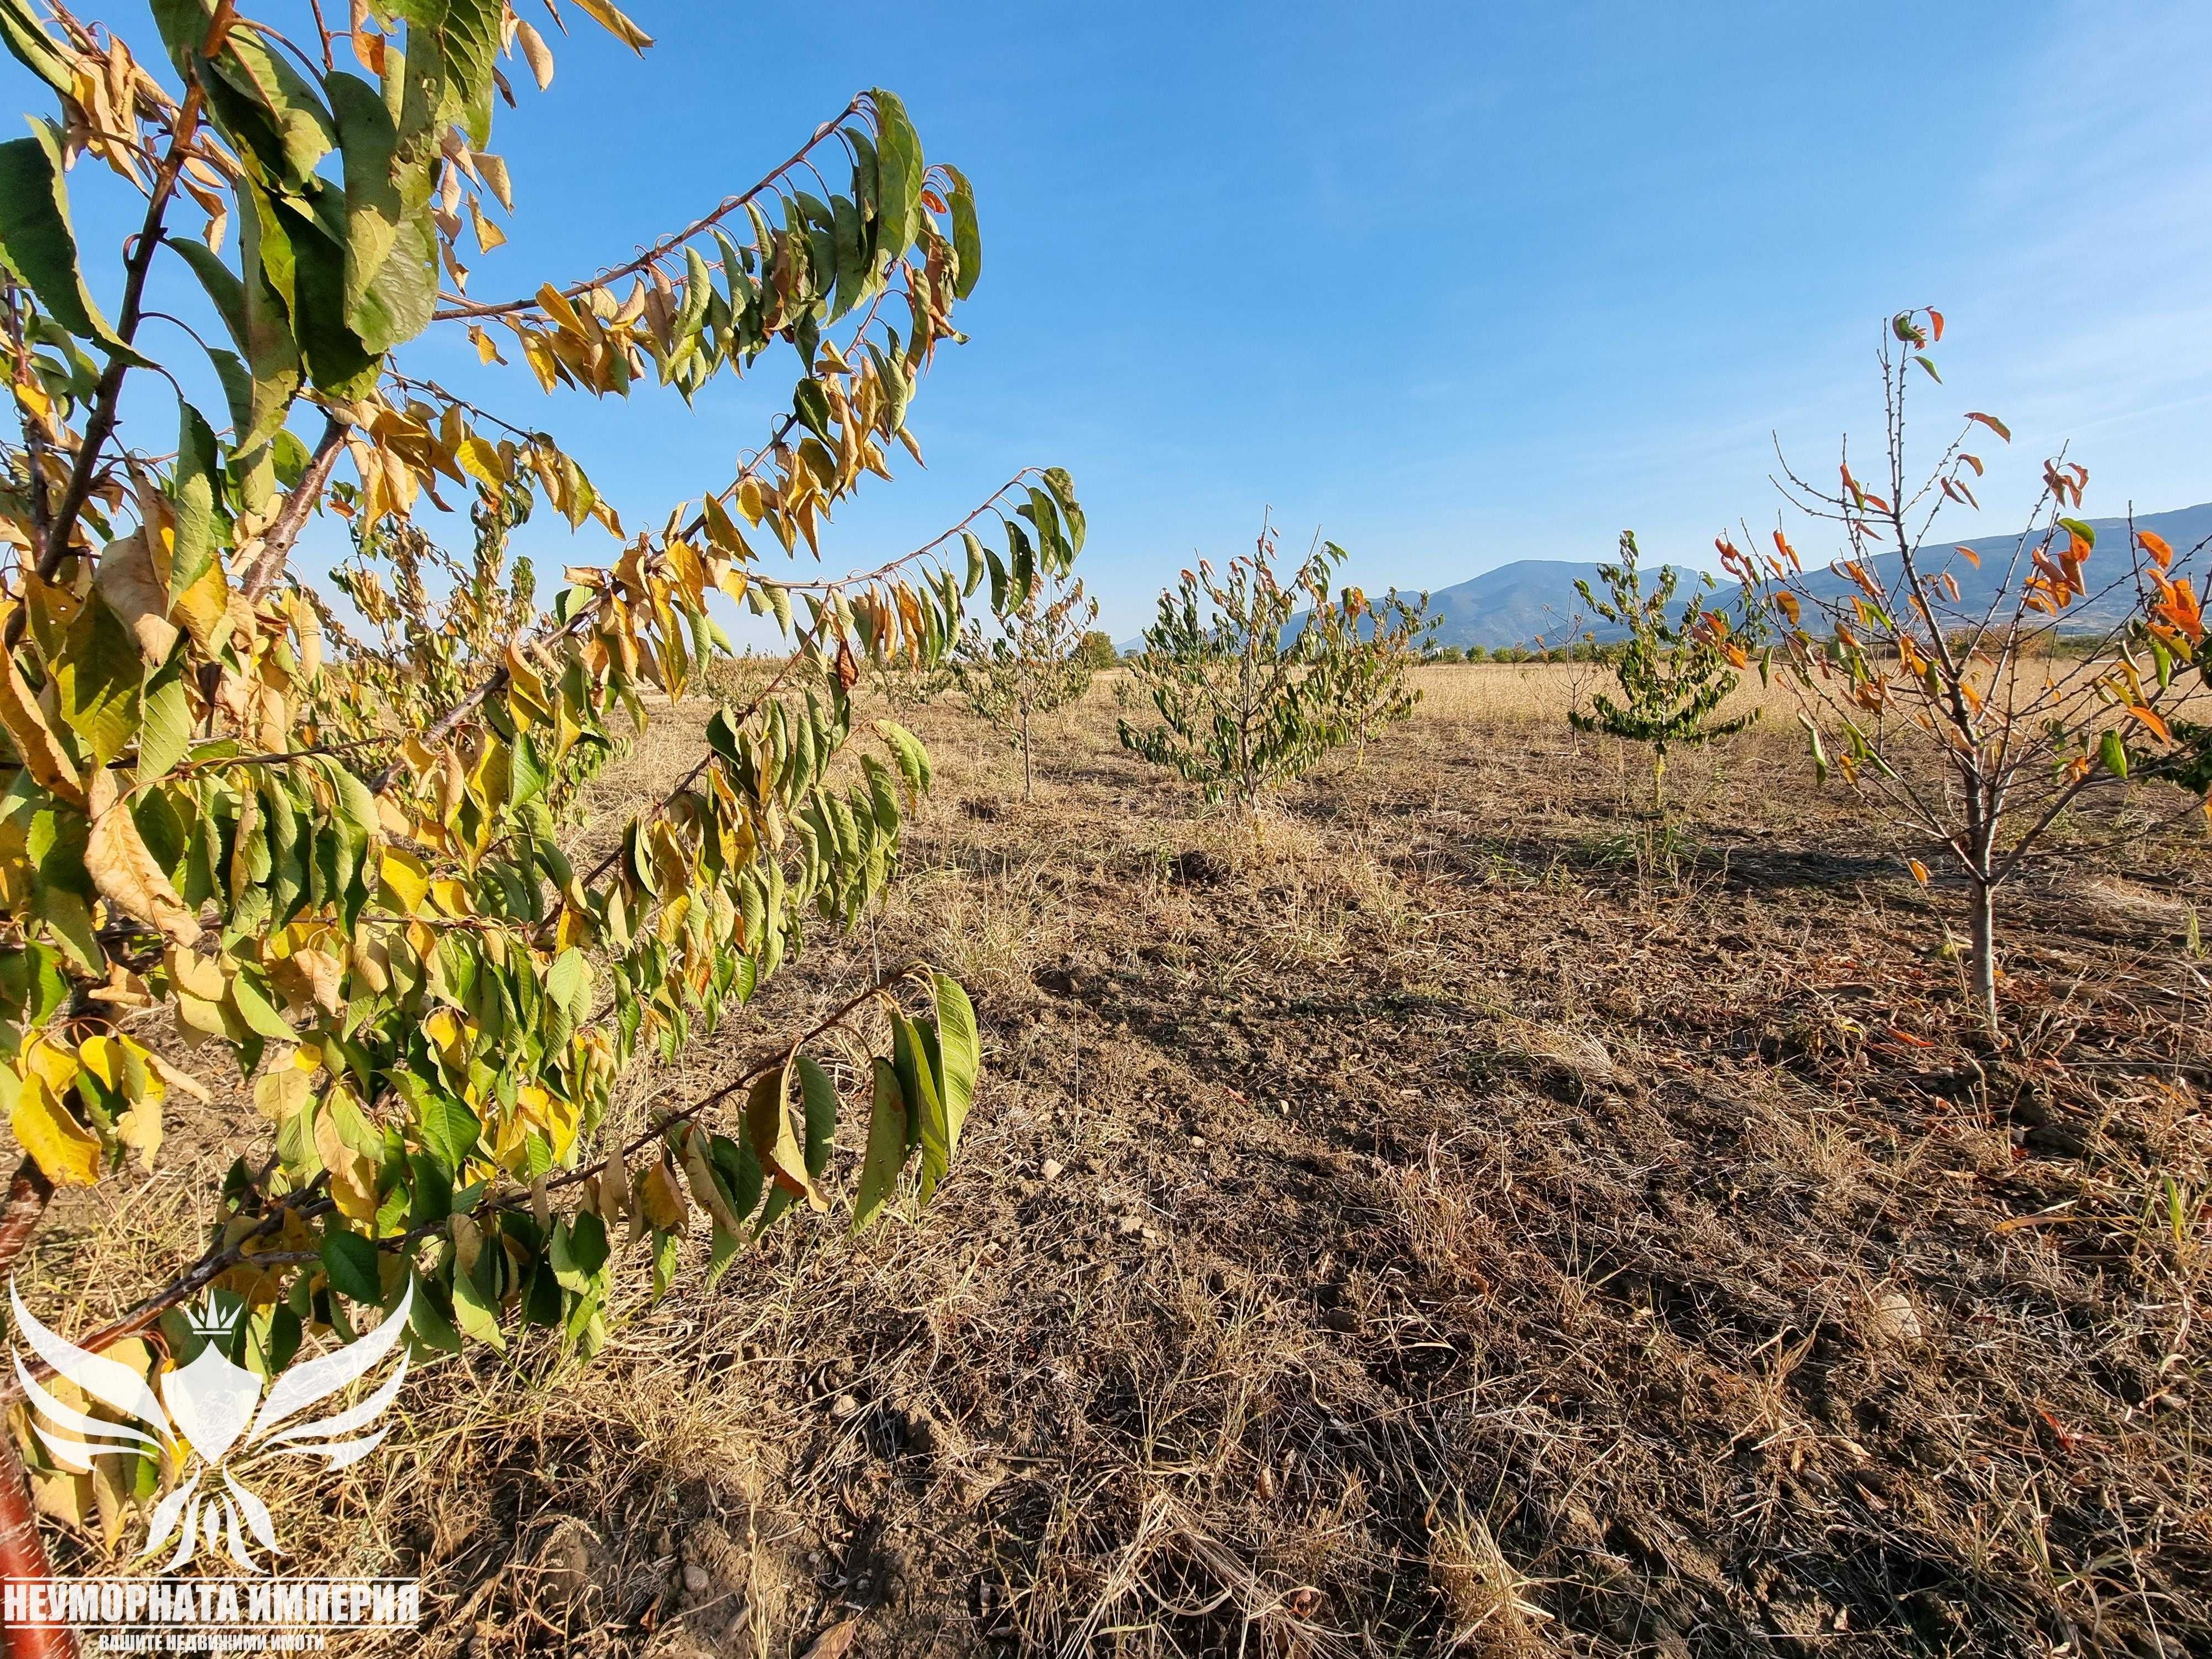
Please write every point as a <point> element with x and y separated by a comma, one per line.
<point>1445,1216</point>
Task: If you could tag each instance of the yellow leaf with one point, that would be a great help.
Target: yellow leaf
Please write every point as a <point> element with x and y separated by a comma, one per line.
<point>67,1151</point>
<point>123,868</point>
<point>494,174</point>
<point>178,1078</point>
<point>554,304</point>
<point>662,1199</point>
<point>139,1129</point>
<point>618,24</point>
<point>704,1187</point>
<point>613,1191</point>
<point>281,1092</point>
<point>190,971</point>
<point>405,879</point>
<point>482,460</point>
<point>489,235</point>
<point>352,1177</point>
<point>42,752</point>
<point>468,1242</point>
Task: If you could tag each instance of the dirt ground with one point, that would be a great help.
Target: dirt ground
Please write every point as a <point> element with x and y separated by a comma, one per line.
<point>1450,1215</point>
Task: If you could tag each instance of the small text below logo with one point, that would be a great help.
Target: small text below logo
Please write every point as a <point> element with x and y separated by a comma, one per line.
<point>245,1604</point>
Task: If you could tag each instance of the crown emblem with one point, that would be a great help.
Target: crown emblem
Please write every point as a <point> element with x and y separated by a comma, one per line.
<point>210,1322</point>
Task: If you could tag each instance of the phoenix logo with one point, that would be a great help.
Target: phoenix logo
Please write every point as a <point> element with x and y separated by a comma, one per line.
<point>208,1415</point>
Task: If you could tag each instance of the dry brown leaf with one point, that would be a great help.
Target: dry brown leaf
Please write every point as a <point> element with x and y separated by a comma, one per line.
<point>127,581</point>
<point>123,868</point>
<point>535,53</point>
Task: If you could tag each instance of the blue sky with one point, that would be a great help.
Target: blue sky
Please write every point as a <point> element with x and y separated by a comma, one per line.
<point>1457,283</point>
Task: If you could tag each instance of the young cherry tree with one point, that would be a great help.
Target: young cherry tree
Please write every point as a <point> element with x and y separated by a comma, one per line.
<point>334,865</point>
<point>1673,673</point>
<point>1032,663</point>
<point>1363,650</point>
<point>1248,697</point>
<point>1932,684</point>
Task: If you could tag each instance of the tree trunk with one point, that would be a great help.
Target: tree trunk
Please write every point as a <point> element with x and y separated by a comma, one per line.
<point>1984,957</point>
<point>23,1552</point>
<point>23,1555</point>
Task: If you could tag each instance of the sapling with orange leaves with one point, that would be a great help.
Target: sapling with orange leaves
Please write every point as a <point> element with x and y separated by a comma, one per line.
<point>334,863</point>
<point>1933,684</point>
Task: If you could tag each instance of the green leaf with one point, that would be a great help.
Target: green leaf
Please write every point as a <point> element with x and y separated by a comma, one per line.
<point>913,759</point>
<point>820,1101</point>
<point>307,267</point>
<point>474,1311</point>
<point>2080,532</point>
<point>254,1007</point>
<point>959,1051</point>
<point>579,1250</point>
<point>2113,752</point>
<point>427,1321</point>
<point>887,1142</point>
<point>723,1251</point>
<point>1071,511</point>
<point>899,176</point>
<point>568,982</point>
<point>267,106</point>
<point>193,490</point>
<point>540,1301</point>
<point>811,405</point>
<point>368,143</point>
<point>449,1128</point>
<point>259,328</point>
<point>664,1249</point>
<point>98,680</point>
<point>33,47</point>
<point>165,720</point>
<point>917,1082</point>
<point>975,561</point>
<point>967,240</point>
<point>350,1260</point>
<point>36,242</point>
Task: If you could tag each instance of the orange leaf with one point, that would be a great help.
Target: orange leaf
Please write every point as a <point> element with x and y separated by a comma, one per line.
<point>1992,422</point>
<point>1936,321</point>
<point>2150,718</point>
<point>2154,544</point>
<point>1969,555</point>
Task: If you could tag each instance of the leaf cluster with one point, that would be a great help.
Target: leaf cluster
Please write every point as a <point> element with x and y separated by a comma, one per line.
<point>1673,670</point>
<point>337,863</point>
<point>1248,693</point>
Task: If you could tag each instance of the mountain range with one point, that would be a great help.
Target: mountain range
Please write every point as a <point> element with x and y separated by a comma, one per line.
<point>1519,603</point>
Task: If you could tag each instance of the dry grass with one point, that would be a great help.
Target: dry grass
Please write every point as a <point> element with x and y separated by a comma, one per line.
<point>1430,1219</point>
